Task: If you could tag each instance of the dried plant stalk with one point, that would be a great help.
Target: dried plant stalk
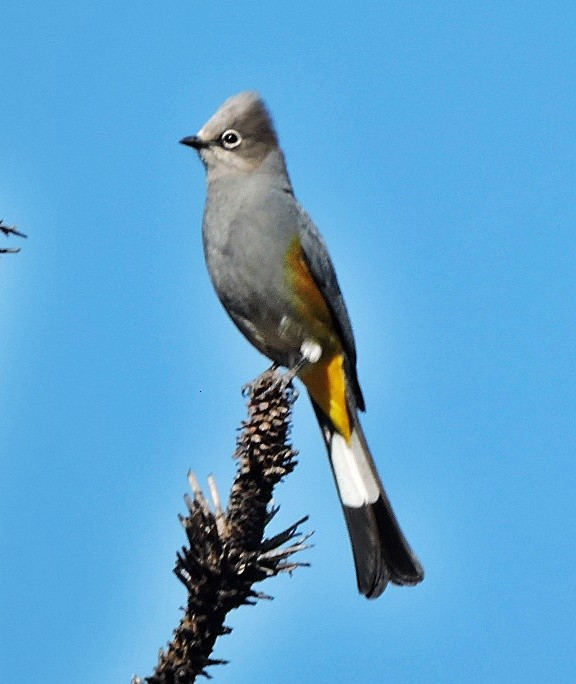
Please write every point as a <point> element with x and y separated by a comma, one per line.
<point>227,552</point>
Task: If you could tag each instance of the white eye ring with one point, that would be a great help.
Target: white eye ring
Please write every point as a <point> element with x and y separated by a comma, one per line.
<point>230,139</point>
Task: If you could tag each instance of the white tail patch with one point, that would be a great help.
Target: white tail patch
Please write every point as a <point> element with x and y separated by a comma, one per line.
<point>356,481</point>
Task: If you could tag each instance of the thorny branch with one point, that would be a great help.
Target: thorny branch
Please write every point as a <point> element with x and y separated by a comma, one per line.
<point>227,553</point>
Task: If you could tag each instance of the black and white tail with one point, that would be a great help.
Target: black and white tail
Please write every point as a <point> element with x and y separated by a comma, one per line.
<point>381,552</point>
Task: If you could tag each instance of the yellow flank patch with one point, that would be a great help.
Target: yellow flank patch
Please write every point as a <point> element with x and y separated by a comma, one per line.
<point>310,301</point>
<point>325,379</point>
<point>326,382</point>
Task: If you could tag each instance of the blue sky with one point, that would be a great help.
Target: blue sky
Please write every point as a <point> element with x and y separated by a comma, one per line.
<point>434,145</point>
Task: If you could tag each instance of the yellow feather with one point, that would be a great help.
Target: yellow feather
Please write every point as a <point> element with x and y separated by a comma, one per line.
<point>325,379</point>
<point>326,382</point>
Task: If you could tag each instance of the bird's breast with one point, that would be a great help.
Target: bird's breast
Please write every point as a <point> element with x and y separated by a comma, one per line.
<point>258,268</point>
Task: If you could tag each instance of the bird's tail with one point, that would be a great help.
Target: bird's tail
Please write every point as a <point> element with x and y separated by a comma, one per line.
<point>381,552</point>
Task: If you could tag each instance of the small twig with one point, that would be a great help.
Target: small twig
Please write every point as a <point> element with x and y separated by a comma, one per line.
<point>196,489</point>
<point>10,230</point>
<point>219,513</point>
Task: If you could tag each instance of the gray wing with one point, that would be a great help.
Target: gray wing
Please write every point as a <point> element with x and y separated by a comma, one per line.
<point>320,265</point>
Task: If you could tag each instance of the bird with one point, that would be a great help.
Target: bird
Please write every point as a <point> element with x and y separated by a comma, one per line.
<point>273,274</point>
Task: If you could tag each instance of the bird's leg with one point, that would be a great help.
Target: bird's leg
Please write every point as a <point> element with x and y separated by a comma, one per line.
<point>310,352</point>
<point>248,388</point>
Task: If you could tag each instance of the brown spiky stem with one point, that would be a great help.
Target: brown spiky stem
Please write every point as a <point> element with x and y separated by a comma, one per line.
<point>227,552</point>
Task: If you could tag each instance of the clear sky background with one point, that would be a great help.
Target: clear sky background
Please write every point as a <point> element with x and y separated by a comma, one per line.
<point>435,145</point>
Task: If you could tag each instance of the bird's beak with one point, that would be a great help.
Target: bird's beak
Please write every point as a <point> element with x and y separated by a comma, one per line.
<point>195,142</point>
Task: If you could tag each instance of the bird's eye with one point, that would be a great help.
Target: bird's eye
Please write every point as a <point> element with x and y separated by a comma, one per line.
<point>230,139</point>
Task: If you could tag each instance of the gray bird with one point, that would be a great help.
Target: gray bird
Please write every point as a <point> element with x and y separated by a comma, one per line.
<point>273,274</point>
